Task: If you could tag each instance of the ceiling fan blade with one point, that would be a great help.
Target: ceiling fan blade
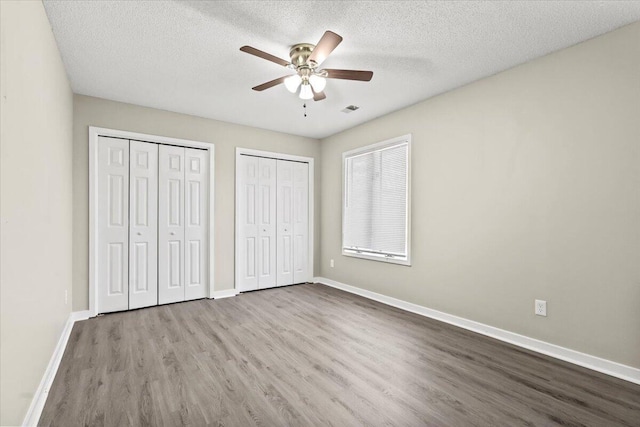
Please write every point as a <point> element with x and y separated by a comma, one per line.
<point>264,55</point>
<point>325,46</point>
<point>318,96</point>
<point>364,76</point>
<point>272,83</point>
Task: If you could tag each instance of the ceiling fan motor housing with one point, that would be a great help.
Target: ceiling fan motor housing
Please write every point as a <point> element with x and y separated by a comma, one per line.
<point>300,53</point>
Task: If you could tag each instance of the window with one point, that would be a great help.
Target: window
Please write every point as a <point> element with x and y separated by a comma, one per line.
<point>376,201</point>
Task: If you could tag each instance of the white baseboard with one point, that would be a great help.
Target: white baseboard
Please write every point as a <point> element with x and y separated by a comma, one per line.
<point>598,364</point>
<point>224,294</point>
<point>40,397</point>
<point>80,315</point>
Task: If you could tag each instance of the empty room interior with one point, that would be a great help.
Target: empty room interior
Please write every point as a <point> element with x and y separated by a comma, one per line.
<point>309,213</point>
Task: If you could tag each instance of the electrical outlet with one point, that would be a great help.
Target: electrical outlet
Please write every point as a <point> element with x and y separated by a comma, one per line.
<point>332,264</point>
<point>540,308</point>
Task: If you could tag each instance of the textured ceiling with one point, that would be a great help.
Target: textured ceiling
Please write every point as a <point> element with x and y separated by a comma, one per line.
<point>184,56</point>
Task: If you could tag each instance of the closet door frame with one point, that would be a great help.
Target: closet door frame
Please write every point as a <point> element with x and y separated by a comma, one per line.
<point>278,156</point>
<point>94,134</point>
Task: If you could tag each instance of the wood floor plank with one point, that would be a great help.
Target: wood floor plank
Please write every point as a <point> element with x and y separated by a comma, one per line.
<point>313,355</point>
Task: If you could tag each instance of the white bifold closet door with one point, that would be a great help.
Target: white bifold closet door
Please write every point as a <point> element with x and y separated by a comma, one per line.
<point>285,223</point>
<point>300,208</point>
<point>247,219</point>
<point>113,224</point>
<point>196,223</point>
<point>182,224</point>
<point>293,222</point>
<point>257,223</point>
<point>272,214</point>
<point>152,224</point>
<point>143,224</point>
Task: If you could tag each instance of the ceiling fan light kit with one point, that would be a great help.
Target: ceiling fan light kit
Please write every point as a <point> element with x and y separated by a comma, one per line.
<point>292,83</point>
<point>305,61</point>
<point>305,91</point>
<point>317,83</point>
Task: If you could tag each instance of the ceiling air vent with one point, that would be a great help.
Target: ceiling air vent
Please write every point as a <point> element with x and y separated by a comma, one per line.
<point>350,108</point>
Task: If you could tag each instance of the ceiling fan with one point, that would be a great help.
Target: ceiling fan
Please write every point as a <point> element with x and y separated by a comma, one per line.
<point>305,61</point>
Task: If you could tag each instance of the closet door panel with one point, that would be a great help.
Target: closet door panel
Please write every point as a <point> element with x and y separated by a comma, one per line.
<point>196,223</point>
<point>247,217</point>
<point>113,224</point>
<point>143,224</point>
<point>267,223</point>
<point>284,247</point>
<point>301,268</point>
<point>171,224</point>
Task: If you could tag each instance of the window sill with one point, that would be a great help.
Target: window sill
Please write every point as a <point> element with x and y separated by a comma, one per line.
<point>380,258</point>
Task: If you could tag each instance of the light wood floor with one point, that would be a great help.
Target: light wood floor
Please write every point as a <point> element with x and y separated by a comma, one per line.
<point>312,355</point>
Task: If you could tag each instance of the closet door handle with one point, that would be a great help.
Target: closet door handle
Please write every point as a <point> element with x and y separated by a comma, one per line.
<point>173,233</point>
<point>139,233</point>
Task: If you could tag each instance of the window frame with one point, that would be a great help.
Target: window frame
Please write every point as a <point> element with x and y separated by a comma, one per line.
<point>404,139</point>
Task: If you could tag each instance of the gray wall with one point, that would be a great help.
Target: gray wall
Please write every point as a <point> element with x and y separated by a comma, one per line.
<point>90,111</point>
<point>35,203</point>
<point>525,185</point>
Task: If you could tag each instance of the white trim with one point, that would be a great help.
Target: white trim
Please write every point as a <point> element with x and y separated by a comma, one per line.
<point>40,397</point>
<point>212,211</point>
<point>144,137</point>
<point>94,133</point>
<point>389,143</point>
<point>595,363</point>
<point>224,294</point>
<point>272,155</point>
<point>80,315</point>
<point>282,156</point>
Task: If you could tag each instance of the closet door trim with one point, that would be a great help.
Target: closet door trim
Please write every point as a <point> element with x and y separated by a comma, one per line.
<point>94,134</point>
<point>278,156</point>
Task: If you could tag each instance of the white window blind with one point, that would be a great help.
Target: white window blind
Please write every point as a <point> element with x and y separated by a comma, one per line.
<point>376,201</point>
